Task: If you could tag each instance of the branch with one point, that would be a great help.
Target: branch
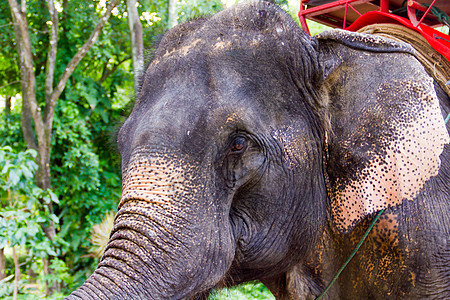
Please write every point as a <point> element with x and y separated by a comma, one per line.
<point>9,24</point>
<point>10,83</point>
<point>137,46</point>
<point>51,103</point>
<point>105,69</point>
<point>7,111</point>
<point>107,73</point>
<point>51,58</point>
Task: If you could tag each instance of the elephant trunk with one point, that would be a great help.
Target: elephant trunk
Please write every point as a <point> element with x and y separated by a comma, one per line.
<point>160,242</point>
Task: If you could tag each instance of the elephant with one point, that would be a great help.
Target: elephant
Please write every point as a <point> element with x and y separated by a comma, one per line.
<point>257,152</point>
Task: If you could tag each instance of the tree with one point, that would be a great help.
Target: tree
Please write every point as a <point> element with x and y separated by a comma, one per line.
<point>191,9</point>
<point>40,140</point>
<point>39,136</point>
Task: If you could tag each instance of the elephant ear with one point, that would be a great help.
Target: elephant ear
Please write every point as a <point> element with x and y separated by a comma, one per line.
<point>387,127</point>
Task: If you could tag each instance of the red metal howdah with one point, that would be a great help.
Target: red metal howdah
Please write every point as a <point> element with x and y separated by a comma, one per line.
<point>418,15</point>
<point>413,6</point>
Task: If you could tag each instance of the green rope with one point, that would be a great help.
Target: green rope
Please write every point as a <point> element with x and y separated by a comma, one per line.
<point>448,118</point>
<point>351,255</point>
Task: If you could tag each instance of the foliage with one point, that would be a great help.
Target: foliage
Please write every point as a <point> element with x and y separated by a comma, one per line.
<point>21,215</point>
<point>61,273</point>
<point>316,28</point>
<point>9,69</point>
<point>100,234</point>
<point>85,168</point>
<point>189,9</point>
<point>249,290</point>
<point>36,296</point>
<point>23,210</point>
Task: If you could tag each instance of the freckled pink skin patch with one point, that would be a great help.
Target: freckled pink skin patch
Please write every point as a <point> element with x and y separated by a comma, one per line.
<point>408,162</point>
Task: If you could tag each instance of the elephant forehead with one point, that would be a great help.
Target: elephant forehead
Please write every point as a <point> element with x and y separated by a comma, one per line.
<point>212,46</point>
<point>180,52</point>
<point>236,41</point>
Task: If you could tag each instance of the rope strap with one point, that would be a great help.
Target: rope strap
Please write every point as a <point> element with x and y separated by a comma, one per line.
<point>353,254</point>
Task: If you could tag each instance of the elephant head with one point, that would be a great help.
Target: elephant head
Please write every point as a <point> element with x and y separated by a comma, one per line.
<point>246,137</point>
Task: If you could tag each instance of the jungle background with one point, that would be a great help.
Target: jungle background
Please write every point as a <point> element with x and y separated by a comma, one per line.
<point>67,79</point>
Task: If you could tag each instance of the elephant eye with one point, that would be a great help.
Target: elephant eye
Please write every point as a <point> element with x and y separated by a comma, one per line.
<point>239,144</point>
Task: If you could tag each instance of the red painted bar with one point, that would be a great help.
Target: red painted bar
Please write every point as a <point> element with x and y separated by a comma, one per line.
<point>328,7</point>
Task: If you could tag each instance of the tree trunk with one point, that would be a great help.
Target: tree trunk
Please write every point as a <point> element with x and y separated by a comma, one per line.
<point>8,105</point>
<point>46,272</point>
<point>2,264</point>
<point>16,273</point>
<point>134,23</point>
<point>26,117</point>
<point>172,18</point>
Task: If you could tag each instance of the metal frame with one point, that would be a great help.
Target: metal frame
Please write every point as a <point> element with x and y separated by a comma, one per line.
<point>413,6</point>
<point>321,13</point>
<point>367,12</point>
<point>324,13</point>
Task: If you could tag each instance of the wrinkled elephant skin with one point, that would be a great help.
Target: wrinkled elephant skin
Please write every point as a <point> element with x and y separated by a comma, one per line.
<point>255,152</point>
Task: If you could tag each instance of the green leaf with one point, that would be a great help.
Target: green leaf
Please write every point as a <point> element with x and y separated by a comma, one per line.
<point>54,218</point>
<point>6,149</point>
<point>31,202</point>
<point>7,167</point>
<point>32,152</point>
<point>64,228</point>
<point>27,172</point>
<point>36,192</point>
<point>52,252</point>
<point>53,196</point>
<point>40,219</point>
<point>14,178</point>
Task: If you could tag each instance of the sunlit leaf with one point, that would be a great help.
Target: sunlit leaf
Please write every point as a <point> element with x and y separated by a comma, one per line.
<point>54,218</point>
<point>26,172</point>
